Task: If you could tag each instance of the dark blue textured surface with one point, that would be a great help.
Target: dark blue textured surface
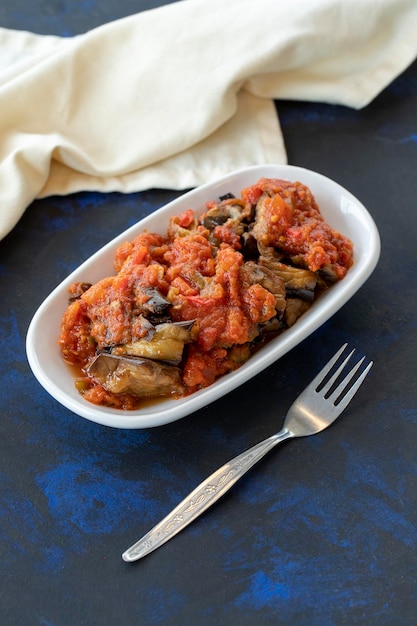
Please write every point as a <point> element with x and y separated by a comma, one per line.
<point>324,531</point>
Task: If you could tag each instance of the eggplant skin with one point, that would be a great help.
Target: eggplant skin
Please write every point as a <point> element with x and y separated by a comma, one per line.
<point>166,344</point>
<point>299,283</point>
<point>143,378</point>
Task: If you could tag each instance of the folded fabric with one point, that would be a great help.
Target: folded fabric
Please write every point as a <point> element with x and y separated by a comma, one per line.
<point>178,95</point>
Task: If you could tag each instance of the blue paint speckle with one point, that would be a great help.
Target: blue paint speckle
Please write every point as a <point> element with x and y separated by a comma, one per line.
<point>410,139</point>
<point>263,592</point>
<point>103,501</point>
<point>22,531</point>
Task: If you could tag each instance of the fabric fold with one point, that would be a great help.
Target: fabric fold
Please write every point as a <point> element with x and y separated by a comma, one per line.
<point>179,95</point>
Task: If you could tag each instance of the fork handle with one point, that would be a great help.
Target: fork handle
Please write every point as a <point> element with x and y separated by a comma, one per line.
<point>206,494</point>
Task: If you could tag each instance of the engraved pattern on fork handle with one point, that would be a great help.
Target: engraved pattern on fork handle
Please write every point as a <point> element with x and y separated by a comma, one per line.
<point>199,500</point>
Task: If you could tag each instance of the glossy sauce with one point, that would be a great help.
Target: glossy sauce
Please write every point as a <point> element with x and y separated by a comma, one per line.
<point>203,270</point>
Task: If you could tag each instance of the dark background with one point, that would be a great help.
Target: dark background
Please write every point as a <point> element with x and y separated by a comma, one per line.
<point>324,531</point>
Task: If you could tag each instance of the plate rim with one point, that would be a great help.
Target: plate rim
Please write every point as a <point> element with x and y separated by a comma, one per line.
<point>167,411</point>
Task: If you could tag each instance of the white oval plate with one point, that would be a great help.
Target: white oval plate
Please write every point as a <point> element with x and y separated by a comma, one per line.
<point>340,209</point>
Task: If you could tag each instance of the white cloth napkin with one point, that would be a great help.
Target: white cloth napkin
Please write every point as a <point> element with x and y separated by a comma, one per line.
<point>178,95</point>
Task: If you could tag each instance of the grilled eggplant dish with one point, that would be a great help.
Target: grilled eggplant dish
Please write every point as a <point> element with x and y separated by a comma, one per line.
<point>190,306</point>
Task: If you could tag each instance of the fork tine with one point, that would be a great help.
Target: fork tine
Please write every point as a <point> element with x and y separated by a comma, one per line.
<point>344,400</point>
<point>334,376</point>
<point>326,369</point>
<point>346,380</point>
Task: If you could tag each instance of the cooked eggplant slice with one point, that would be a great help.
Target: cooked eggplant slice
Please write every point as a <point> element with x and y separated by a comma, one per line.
<point>299,283</point>
<point>230,213</point>
<point>156,303</point>
<point>77,290</point>
<point>139,377</point>
<point>143,327</point>
<point>227,196</point>
<point>166,344</point>
<point>249,246</point>
<point>255,273</point>
<point>295,309</point>
<point>271,327</point>
<point>220,214</point>
<point>328,274</point>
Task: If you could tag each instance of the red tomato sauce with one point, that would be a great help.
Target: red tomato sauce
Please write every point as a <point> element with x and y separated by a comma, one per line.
<point>203,271</point>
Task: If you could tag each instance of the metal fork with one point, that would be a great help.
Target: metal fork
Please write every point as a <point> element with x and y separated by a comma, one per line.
<point>315,408</point>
